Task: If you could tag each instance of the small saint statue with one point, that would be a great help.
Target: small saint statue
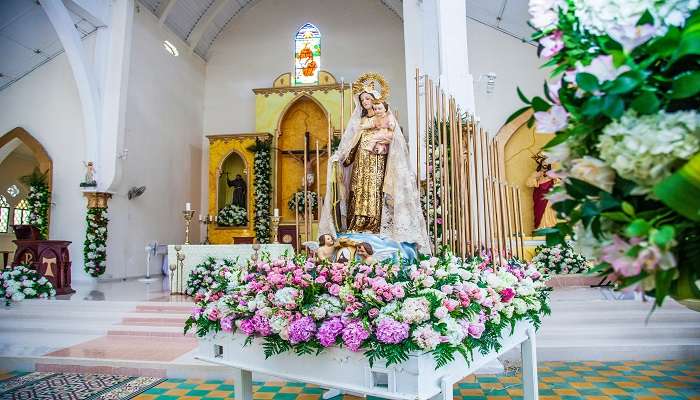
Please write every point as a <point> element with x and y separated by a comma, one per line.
<point>327,247</point>
<point>89,180</point>
<point>239,190</point>
<point>365,252</point>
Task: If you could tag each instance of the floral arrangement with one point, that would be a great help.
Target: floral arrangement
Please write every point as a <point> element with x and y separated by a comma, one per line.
<point>299,199</point>
<point>202,277</point>
<point>22,282</point>
<point>39,200</point>
<point>95,245</point>
<point>623,102</point>
<point>232,215</point>
<point>262,189</point>
<point>559,259</point>
<point>441,305</point>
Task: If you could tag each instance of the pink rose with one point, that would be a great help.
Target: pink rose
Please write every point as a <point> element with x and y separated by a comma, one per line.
<point>373,312</point>
<point>321,280</point>
<point>507,295</point>
<point>475,330</point>
<point>334,289</point>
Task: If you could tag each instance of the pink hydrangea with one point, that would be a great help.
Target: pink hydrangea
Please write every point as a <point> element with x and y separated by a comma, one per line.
<point>227,323</point>
<point>262,325</point>
<point>354,334</point>
<point>247,327</point>
<point>302,330</point>
<point>329,331</point>
<point>391,331</point>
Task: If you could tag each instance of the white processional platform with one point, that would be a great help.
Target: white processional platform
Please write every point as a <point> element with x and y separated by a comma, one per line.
<point>415,379</point>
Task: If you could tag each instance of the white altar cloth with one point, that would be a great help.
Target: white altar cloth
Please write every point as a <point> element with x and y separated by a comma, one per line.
<point>195,254</point>
<point>415,379</point>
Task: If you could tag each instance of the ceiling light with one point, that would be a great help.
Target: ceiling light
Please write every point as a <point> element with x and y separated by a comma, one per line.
<point>170,48</point>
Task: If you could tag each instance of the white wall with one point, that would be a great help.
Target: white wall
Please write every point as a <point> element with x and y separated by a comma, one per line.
<point>163,137</point>
<point>515,64</point>
<point>46,104</point>
<point>357,36</point>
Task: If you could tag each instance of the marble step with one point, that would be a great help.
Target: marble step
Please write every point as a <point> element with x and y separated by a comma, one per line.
<point>656,332</point>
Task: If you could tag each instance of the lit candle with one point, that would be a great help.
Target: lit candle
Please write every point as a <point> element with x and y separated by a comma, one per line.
<point>277,212</point>
<point>188,206</point>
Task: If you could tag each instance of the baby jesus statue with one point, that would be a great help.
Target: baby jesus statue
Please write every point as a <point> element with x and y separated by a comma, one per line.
<point>383,126</point>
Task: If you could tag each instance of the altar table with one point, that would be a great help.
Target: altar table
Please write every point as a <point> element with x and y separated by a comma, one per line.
<point>415,379</point>
<point>196,254</point>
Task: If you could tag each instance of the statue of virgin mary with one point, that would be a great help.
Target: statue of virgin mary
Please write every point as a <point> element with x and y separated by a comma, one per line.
<point>371,187</point>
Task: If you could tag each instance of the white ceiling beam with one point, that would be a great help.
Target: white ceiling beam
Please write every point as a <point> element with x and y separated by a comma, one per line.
<point>205,22</point>
<point>95,12</point>
<point>164,9</point>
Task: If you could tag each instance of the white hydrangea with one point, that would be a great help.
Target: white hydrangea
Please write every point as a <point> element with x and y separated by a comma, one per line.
<point>415,310</point>
<point>644,149</point>
<point>286,296</point>
<point>426,337</point>
<point>454,332</point>
<point>520,306</point>
<point>619,18</point>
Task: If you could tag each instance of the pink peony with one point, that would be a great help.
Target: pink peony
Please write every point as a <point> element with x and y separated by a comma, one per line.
<point>476,330</point>
<point>507,294</point>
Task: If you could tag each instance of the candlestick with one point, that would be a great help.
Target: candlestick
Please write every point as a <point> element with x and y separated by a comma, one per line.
<point>207,220</point>
<point>275,224</point>
<point>188,215</point>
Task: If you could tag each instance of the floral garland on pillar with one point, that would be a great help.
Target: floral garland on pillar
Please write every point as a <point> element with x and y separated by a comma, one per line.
<point>623,101</point>
<point>262,189</point>
<point>39,199</point>
<point>95,245</point>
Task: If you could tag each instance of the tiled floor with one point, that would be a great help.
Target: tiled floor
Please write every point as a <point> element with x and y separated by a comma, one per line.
<point>655,380</point>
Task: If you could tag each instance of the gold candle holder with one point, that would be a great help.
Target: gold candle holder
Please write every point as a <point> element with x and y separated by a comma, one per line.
<point>207,220</point>
<point>188,215</point>
<point>275,224</point>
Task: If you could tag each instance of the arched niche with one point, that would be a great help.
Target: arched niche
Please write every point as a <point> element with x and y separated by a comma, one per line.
<point>234,182</point>
<point>517,143</point>
<point>303,114</point>
<point>20,154</point>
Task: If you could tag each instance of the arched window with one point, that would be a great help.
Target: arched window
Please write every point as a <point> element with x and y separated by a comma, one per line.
<point>21,216</point>
<point>307,55</point>
<point>4,215</point>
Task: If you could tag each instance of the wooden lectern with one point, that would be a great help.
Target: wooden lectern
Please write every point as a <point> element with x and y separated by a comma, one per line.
<point>50,258</point>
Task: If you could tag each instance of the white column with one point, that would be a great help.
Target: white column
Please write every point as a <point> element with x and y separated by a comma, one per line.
<point>114,92</point>
<point>454,65</point>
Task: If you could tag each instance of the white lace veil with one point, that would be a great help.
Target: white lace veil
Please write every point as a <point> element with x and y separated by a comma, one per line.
<point>402,215</point>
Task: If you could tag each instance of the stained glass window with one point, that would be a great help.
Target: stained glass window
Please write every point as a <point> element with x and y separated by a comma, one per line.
<point>307,55</point>
<point>4,215</point>
<point>21,216</point>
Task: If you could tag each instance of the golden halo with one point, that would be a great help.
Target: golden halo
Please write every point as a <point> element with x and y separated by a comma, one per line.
<point>374,83</point>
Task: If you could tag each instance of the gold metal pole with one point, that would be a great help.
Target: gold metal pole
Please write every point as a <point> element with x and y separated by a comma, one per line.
<point>418,129</point>
<point>296,221</point>
<point>454,150</point>
<point>342,105</point>
<point>466,184</point>
<point>433,147</point>
<point>497,163</point>
<point>306,187</point>
<point>497,203</point>
<point>489,197</point>
<point>513,212</point>
<point>426,100</point>
<point>520,222</point>
<point>330,136</point>
<point>444,201</point>
<point>318,181</point>
<point>477,192</point>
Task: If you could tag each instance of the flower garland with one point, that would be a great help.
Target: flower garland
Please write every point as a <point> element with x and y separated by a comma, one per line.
<point>623,102</point>
<point>22,282</point>
<point>559,259</point>
<point>262,189</point>
<point>39,201</point>
<point>232,215</point>
<point>299,199</point>
<point>441,305</point>
<point>202,277</point>
<point>95,245</point>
